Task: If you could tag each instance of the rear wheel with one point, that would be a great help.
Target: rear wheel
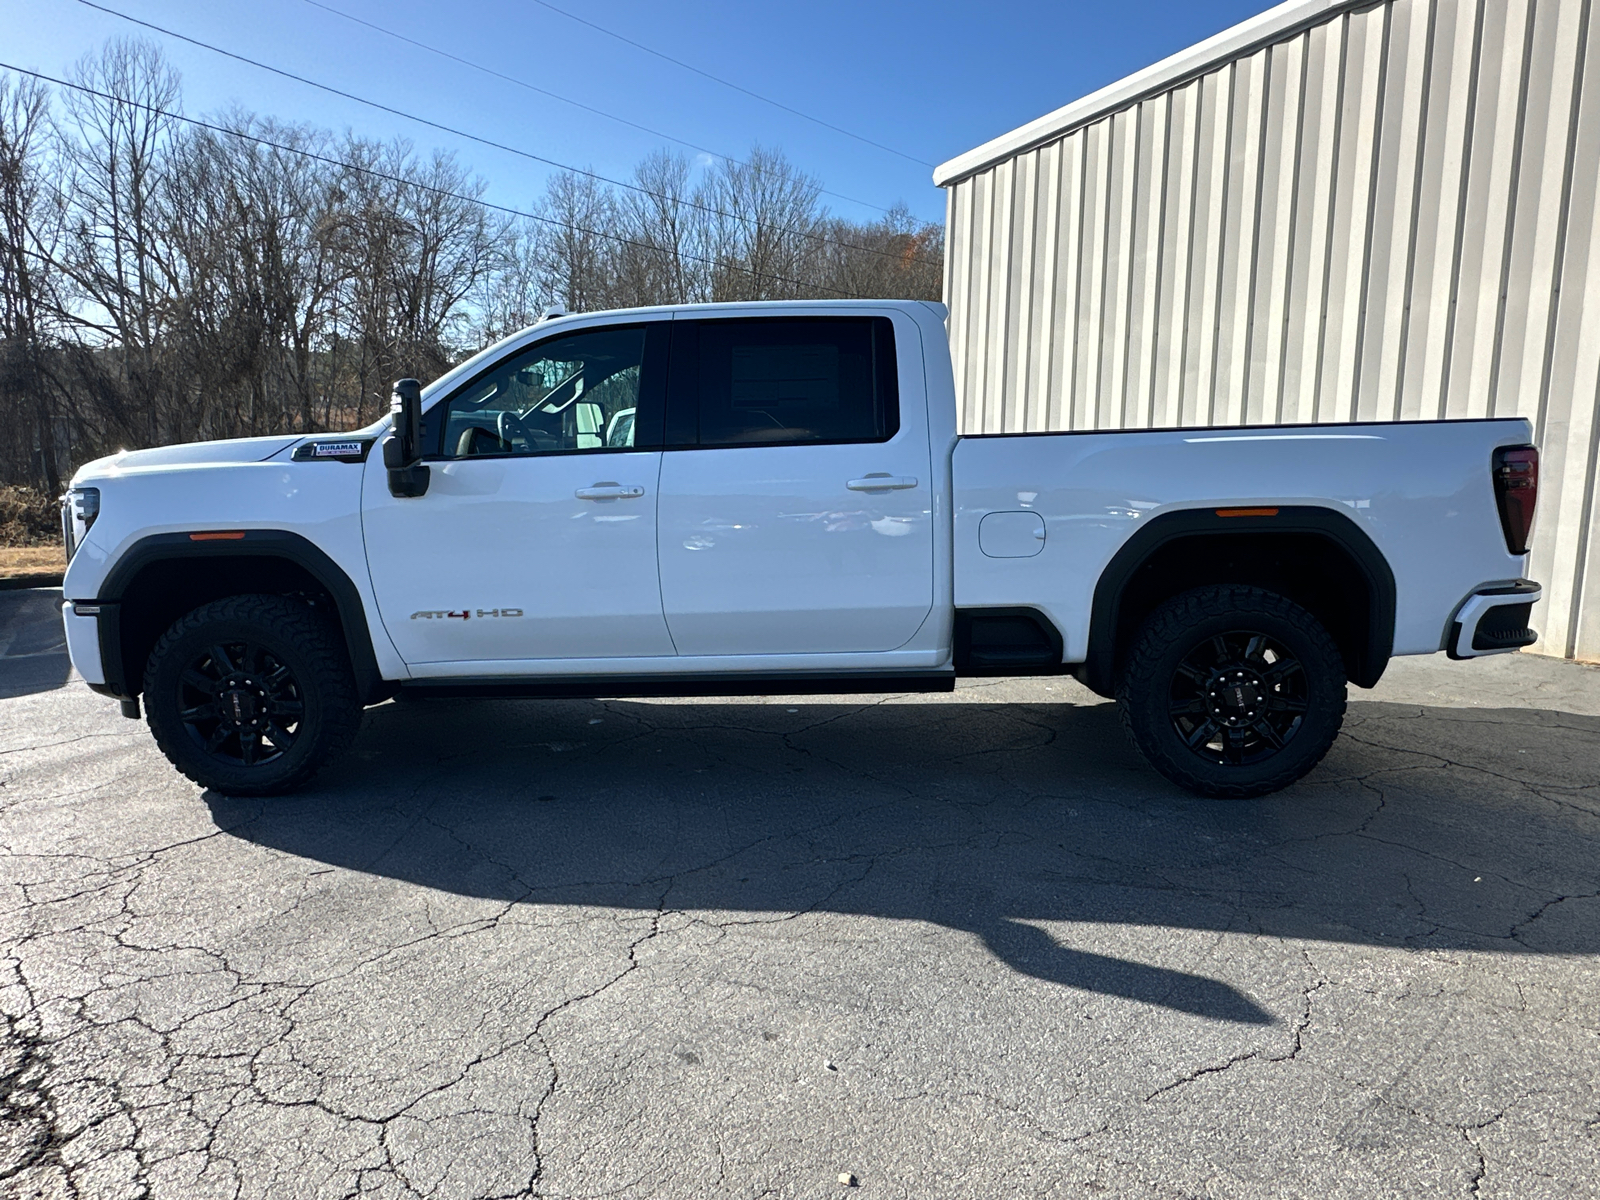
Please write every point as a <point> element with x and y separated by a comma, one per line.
<point>1232,691</point>
<point>250,695</point>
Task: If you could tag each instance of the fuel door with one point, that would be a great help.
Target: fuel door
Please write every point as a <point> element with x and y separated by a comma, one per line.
<point>1011,534</point>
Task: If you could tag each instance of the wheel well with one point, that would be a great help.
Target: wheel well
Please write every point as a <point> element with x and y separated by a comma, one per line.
<point>163,577</point>
<point>1334,573</point>
<point>163,591</point>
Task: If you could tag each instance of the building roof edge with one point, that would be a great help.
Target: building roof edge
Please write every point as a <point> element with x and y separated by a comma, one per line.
<point>1273,25</point>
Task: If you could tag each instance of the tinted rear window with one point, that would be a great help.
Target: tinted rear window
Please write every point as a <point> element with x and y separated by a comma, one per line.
<point>766,381</point>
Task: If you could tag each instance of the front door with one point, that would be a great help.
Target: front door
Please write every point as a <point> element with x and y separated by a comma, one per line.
<point>537,536</point>
<point>796,514</point>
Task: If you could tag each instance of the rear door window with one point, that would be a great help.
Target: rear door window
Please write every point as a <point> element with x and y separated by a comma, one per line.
<point>776,381</point>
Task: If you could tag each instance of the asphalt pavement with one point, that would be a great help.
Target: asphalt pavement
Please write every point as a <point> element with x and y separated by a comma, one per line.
<point>965,945</point>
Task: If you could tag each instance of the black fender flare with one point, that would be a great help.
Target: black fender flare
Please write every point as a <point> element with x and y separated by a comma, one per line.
<point>254,543</point>
<point>1099,667</point>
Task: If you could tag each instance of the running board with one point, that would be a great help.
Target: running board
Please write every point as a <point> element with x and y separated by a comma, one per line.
<point>620,687</point>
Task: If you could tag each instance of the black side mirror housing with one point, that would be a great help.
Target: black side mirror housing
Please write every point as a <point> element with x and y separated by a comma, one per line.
<point>407,480</point>
<point>408,477</point>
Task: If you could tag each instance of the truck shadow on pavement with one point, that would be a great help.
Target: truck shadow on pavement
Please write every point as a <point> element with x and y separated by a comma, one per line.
<point>1028,826</point>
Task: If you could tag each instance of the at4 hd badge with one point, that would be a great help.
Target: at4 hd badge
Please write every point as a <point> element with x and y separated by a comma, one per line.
<point>464,614</point>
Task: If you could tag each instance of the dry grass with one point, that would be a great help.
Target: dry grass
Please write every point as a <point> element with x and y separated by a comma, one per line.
<point>31,560</point>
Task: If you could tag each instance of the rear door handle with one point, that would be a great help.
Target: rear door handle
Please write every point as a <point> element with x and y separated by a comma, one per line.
<point>609,491</point>
<point>882,483</point>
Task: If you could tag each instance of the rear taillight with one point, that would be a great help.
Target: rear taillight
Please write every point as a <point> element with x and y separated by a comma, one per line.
<point>1516,489</point>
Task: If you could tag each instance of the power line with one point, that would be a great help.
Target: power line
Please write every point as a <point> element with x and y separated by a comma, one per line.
<point>599,112</point>
<point>678,62</point>
<point>472,137</point>
<point>414,183</point>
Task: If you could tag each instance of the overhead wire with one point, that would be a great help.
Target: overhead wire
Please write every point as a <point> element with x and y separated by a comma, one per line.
<point>490,142</point>
<point>557,96</point>
<point>419,185</point>
<point>727,83</point>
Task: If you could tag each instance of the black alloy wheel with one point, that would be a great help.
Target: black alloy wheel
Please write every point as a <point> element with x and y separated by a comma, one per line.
<point>250,695</point>
<point>240,704</point>
<point>1232,691</point>
<point>1238,697</point>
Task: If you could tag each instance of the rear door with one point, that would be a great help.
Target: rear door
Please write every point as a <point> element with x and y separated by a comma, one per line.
<point>795,513</point>
<point>537,536</point>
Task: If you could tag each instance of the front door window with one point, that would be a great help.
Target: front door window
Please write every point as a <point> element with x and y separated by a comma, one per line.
<point>570,394</point>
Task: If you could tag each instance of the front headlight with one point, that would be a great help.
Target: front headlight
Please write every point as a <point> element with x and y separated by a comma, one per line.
<point>79,508</point>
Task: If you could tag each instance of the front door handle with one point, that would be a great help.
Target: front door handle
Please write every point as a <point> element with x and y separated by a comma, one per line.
<point>609,491</point>
<point>882,483</point>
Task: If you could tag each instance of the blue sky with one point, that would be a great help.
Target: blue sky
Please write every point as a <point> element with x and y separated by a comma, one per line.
<point>930,80</point>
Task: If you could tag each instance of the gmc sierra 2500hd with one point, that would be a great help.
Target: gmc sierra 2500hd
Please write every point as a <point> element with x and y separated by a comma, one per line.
<point>773,499</point>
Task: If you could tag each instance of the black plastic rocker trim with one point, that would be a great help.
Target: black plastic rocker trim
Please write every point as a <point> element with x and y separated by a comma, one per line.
<point>1007,641</point>
<point>589,687</point>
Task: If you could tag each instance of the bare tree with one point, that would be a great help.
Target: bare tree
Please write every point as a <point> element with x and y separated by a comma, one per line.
<point>117,137</point>
<point>450,248</point>
<point>514,295</point>
<point>579,253</point>
<point>665,230</point>
<point>415,245</point>
<point>30,227</point>
<point>895,257</point>
<point>259,276</point>
<point>762,227</point>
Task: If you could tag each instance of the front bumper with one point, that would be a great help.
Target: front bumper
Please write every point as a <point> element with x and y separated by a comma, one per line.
<point>83,640</point>
<point>1494,620</point>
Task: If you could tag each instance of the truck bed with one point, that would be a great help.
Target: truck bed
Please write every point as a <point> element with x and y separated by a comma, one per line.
<point>1420,490</point>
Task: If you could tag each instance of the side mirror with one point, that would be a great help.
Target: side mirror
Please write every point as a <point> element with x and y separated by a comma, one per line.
<point>408,478</point>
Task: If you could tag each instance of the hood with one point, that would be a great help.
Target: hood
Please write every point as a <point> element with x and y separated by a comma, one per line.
<point>232,450</point>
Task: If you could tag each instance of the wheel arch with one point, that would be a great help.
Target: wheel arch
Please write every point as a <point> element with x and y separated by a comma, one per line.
<point>163,576</point>
<point>1314,556</point>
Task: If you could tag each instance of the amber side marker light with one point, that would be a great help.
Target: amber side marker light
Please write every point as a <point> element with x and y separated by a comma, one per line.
<point>233,536</point>
<point>1247,512</point>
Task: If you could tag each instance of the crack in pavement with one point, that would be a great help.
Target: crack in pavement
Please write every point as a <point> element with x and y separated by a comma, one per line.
<point>1296,1040</point>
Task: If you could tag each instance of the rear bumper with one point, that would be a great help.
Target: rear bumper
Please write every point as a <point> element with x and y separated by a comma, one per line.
<point>1494,620</point>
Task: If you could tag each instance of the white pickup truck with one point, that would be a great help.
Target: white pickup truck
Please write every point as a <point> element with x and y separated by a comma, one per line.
<point>773,499</point>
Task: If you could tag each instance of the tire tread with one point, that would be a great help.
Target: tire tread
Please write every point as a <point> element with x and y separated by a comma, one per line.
<point>1172,621</point>
<point>328,668</point>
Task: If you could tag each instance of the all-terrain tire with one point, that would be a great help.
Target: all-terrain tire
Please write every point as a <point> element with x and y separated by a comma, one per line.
<point>1232,691</point>
<point>284,710</point>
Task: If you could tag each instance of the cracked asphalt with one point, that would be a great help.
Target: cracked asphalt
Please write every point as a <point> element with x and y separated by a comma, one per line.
<point>956,946</point>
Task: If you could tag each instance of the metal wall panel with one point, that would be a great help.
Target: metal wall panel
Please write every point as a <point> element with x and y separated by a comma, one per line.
<point>1394,214</point>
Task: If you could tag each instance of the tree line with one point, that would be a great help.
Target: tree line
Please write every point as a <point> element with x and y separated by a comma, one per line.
<point>166,280</point>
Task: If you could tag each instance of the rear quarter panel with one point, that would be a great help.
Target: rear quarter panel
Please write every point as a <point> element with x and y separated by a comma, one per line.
<point>1420,490</point>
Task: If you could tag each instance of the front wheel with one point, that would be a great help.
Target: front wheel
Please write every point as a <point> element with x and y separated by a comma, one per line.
<point>1232,691</point>
<point>250,695</point>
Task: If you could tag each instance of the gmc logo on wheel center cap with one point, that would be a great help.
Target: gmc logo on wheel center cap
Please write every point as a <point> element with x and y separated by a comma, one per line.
<point>464,614</point>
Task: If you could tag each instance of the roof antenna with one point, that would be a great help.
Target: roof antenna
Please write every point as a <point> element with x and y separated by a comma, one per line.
<point>555,310</point>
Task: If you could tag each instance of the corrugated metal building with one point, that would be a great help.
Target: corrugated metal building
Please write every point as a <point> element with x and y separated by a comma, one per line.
<point>1336,211</point>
